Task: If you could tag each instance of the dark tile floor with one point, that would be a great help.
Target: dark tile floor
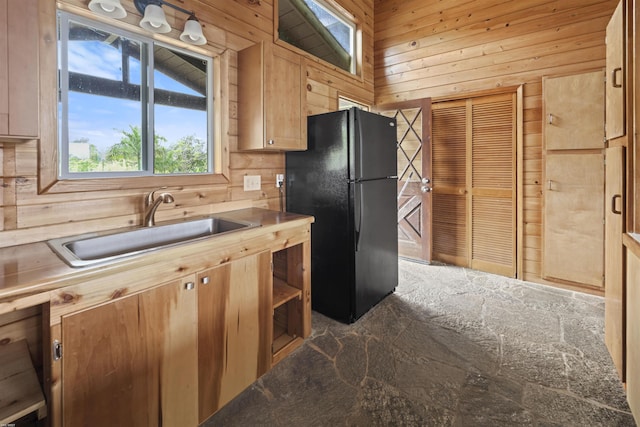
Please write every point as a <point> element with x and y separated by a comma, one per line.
<point>451,347</point>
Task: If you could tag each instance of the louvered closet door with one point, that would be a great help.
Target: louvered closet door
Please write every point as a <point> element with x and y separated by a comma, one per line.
<point>493,195</point>
<point>449,200</point>
<point>474,183</point>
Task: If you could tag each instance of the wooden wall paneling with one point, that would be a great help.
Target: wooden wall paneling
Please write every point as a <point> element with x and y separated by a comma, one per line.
<point>425,40</point>
<point>30,213</point>
<point>4,72</point>
<point>452,25</point>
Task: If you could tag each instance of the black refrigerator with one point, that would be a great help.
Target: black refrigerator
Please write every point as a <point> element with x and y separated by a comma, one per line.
<point>347,180</point>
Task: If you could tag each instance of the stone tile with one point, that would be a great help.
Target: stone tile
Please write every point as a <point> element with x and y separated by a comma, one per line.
<point>482,405</point>
<point>568,410</point>
<point>451,347</point>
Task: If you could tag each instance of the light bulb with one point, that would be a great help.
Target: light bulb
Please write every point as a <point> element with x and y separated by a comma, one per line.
<point>108,8</point>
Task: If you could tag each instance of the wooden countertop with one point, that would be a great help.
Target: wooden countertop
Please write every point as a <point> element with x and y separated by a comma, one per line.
<point>32,271</point>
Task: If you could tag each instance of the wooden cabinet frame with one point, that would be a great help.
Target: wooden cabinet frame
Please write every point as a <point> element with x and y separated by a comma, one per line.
<point>170,266</point>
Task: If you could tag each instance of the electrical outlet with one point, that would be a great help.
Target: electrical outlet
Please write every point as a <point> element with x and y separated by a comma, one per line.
<point>251,182</point>
<point>279,180</point>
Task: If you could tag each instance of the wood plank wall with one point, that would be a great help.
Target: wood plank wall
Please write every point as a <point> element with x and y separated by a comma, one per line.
<point>27,216</point>
<point>452,48</point>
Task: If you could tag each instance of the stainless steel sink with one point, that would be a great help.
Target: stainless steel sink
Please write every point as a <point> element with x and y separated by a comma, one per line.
<point>94,248</point>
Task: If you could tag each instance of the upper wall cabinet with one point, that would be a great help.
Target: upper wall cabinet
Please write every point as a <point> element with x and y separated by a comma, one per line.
<point>573,111</point>
<point>19,69</point>
<point>272,99</point>
<point>615,108</point>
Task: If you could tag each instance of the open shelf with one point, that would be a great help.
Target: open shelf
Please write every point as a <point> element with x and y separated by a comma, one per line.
<point>288,305</point>
<point>282,292</point>
<point>20,392</point>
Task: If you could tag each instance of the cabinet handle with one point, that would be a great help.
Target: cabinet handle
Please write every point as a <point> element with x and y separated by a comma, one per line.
<point>614,77</point>
<point>613,204</point>
<point>271,142</point>
<point>189,286</point>
<point>550,118</point>
<point>205,280</point>
<point>57,350</point>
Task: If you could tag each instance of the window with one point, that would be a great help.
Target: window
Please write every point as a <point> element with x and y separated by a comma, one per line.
<point>130,106</point>
<point>346,103</point>
<point>319,29</point>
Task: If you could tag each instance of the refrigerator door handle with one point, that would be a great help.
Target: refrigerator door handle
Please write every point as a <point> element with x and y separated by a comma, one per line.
<point>358,214</point>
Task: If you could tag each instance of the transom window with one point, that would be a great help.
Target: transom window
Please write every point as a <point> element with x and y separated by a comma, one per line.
<point>319,29</point>
<point>130,106</point>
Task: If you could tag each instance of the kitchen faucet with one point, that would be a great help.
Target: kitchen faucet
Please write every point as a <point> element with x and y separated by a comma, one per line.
<point>151,205</point>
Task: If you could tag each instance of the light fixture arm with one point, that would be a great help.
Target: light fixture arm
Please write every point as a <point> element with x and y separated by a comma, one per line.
<point>142,4</point>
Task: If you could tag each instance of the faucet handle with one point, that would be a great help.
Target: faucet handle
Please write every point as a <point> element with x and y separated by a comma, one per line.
<point>151,195</point>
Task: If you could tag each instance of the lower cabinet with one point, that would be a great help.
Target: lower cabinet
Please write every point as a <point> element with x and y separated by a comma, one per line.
<point>174,354</point>
<point>234,333</point>
<point>132,361</point>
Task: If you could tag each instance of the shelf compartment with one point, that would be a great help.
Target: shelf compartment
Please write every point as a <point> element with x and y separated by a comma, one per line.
<point>19,386</point>
<point>283,292</point>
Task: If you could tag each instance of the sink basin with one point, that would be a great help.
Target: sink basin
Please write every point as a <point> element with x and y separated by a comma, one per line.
<point>94,248</point>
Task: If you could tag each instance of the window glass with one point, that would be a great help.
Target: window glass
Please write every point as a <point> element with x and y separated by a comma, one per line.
<point>130,106</point>
<point>346,103</point>
<point>317,28</point>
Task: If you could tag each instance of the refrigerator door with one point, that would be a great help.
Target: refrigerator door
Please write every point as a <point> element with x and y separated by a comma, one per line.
<point>374,145</point>
<point>376,243</point>
<point>316,184</point>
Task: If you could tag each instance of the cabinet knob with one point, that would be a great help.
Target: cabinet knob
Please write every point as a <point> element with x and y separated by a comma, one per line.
<point>205,280</point>
<point>189,286</point>
<point>271,142</point>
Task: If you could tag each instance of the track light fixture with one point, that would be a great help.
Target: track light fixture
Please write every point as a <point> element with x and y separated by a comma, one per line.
<point>153,19</point>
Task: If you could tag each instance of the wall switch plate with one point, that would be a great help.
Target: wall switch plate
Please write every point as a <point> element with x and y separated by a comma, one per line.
<point>279,180</point>
<point>251,182</point>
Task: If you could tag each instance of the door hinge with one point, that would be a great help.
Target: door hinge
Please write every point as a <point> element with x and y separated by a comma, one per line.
<point>272,266</point>
<point>57,350</point>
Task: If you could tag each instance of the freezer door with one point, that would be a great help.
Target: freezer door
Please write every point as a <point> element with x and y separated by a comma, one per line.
<point>373,144</point>
<point>376,241</point>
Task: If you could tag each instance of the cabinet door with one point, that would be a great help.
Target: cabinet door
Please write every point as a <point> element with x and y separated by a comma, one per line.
<point>633,333</point>
<point>104,367</point>
<point>286,115</point>
<point>234,329</point>
<point>168,322</point>
<point>573,111</point>
<point>272,99</point>
<point>19,68</point>
<point>132,361</point>
<point>613,262</point>
<point>615,108</point>
<point>573,218</point>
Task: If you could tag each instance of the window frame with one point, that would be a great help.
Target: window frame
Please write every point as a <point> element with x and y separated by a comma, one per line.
<point>146,101</point>
<point>48,179</point>
<point>336,9</point>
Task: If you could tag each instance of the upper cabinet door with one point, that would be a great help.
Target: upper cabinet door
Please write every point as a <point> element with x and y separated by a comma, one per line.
<point>272,99</point>
<point>573,111</point>
<point>19,69</point>
<point>615,108</point>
